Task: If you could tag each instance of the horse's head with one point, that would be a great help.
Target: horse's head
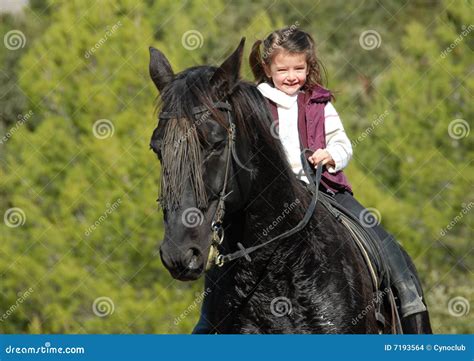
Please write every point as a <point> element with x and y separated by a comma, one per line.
<point>195,142</point>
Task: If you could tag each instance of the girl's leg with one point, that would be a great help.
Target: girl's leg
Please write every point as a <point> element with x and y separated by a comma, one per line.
<point>400,274</point>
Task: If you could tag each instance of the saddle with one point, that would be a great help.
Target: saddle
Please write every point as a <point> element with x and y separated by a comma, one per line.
<point>370,247</point>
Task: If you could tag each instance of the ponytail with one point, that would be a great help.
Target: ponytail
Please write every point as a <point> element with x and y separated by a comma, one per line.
<point>256,63</point>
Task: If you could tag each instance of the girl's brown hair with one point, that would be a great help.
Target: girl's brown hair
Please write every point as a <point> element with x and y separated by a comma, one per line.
<point>292,40</point>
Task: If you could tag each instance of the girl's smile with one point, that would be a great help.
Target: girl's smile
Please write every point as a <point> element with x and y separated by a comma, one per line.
<point>288,71</point>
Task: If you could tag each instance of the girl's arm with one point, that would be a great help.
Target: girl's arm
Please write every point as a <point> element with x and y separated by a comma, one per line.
<point>338,144</point>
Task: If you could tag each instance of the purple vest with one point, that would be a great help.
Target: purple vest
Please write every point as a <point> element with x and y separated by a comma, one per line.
<point>312,133</point>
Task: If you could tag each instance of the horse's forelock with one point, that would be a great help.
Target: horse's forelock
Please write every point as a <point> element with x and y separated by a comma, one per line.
<point>183,136</point>
<point>181,161</point>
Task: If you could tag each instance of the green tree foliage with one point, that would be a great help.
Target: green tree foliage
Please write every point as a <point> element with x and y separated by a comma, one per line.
<point>419,151</point>
<point>66,180</point>
<point>84,182</point>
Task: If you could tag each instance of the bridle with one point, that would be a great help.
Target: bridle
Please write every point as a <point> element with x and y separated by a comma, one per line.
<point>217,229</point>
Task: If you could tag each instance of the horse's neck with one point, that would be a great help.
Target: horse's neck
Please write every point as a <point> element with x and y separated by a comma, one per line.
<point>273,209</point>
<point>275,206</point>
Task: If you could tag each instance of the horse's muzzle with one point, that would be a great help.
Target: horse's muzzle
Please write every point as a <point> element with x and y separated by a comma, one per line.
<point>183,266</point>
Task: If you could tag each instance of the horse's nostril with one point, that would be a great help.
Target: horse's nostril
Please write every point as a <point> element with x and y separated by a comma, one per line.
<point>164,259</point>
<point>192,257</point>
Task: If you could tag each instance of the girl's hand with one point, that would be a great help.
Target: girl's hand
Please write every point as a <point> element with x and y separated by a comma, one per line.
<point>321,155</point>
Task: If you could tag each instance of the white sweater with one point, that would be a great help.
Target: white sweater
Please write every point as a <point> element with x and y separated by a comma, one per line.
<point>338,144</point>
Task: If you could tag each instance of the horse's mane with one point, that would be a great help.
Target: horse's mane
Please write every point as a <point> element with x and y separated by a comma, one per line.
<point>183,137</point>
<point>254,120</point>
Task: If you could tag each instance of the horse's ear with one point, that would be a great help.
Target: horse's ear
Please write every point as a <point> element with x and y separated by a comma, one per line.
<point>228,73</point>
<point>160,69</point>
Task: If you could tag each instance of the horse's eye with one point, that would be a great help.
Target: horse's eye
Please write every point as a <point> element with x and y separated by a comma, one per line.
<point>210,147</point>
<point>218,144</point>
<point>155,145</point>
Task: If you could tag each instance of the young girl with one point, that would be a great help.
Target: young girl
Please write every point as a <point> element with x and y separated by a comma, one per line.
<point>289,76</point>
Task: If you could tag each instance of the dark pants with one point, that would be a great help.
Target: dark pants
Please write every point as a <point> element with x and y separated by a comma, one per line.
<point>398,267</point>
<point>401,277</point>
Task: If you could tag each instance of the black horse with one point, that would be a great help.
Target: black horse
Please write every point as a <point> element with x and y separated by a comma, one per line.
<point>226,186</point>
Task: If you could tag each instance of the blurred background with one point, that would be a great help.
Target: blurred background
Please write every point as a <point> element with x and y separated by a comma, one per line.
<point>80,225</point>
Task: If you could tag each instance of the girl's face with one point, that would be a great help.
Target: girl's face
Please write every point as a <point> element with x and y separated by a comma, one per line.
<point>288,71</point>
